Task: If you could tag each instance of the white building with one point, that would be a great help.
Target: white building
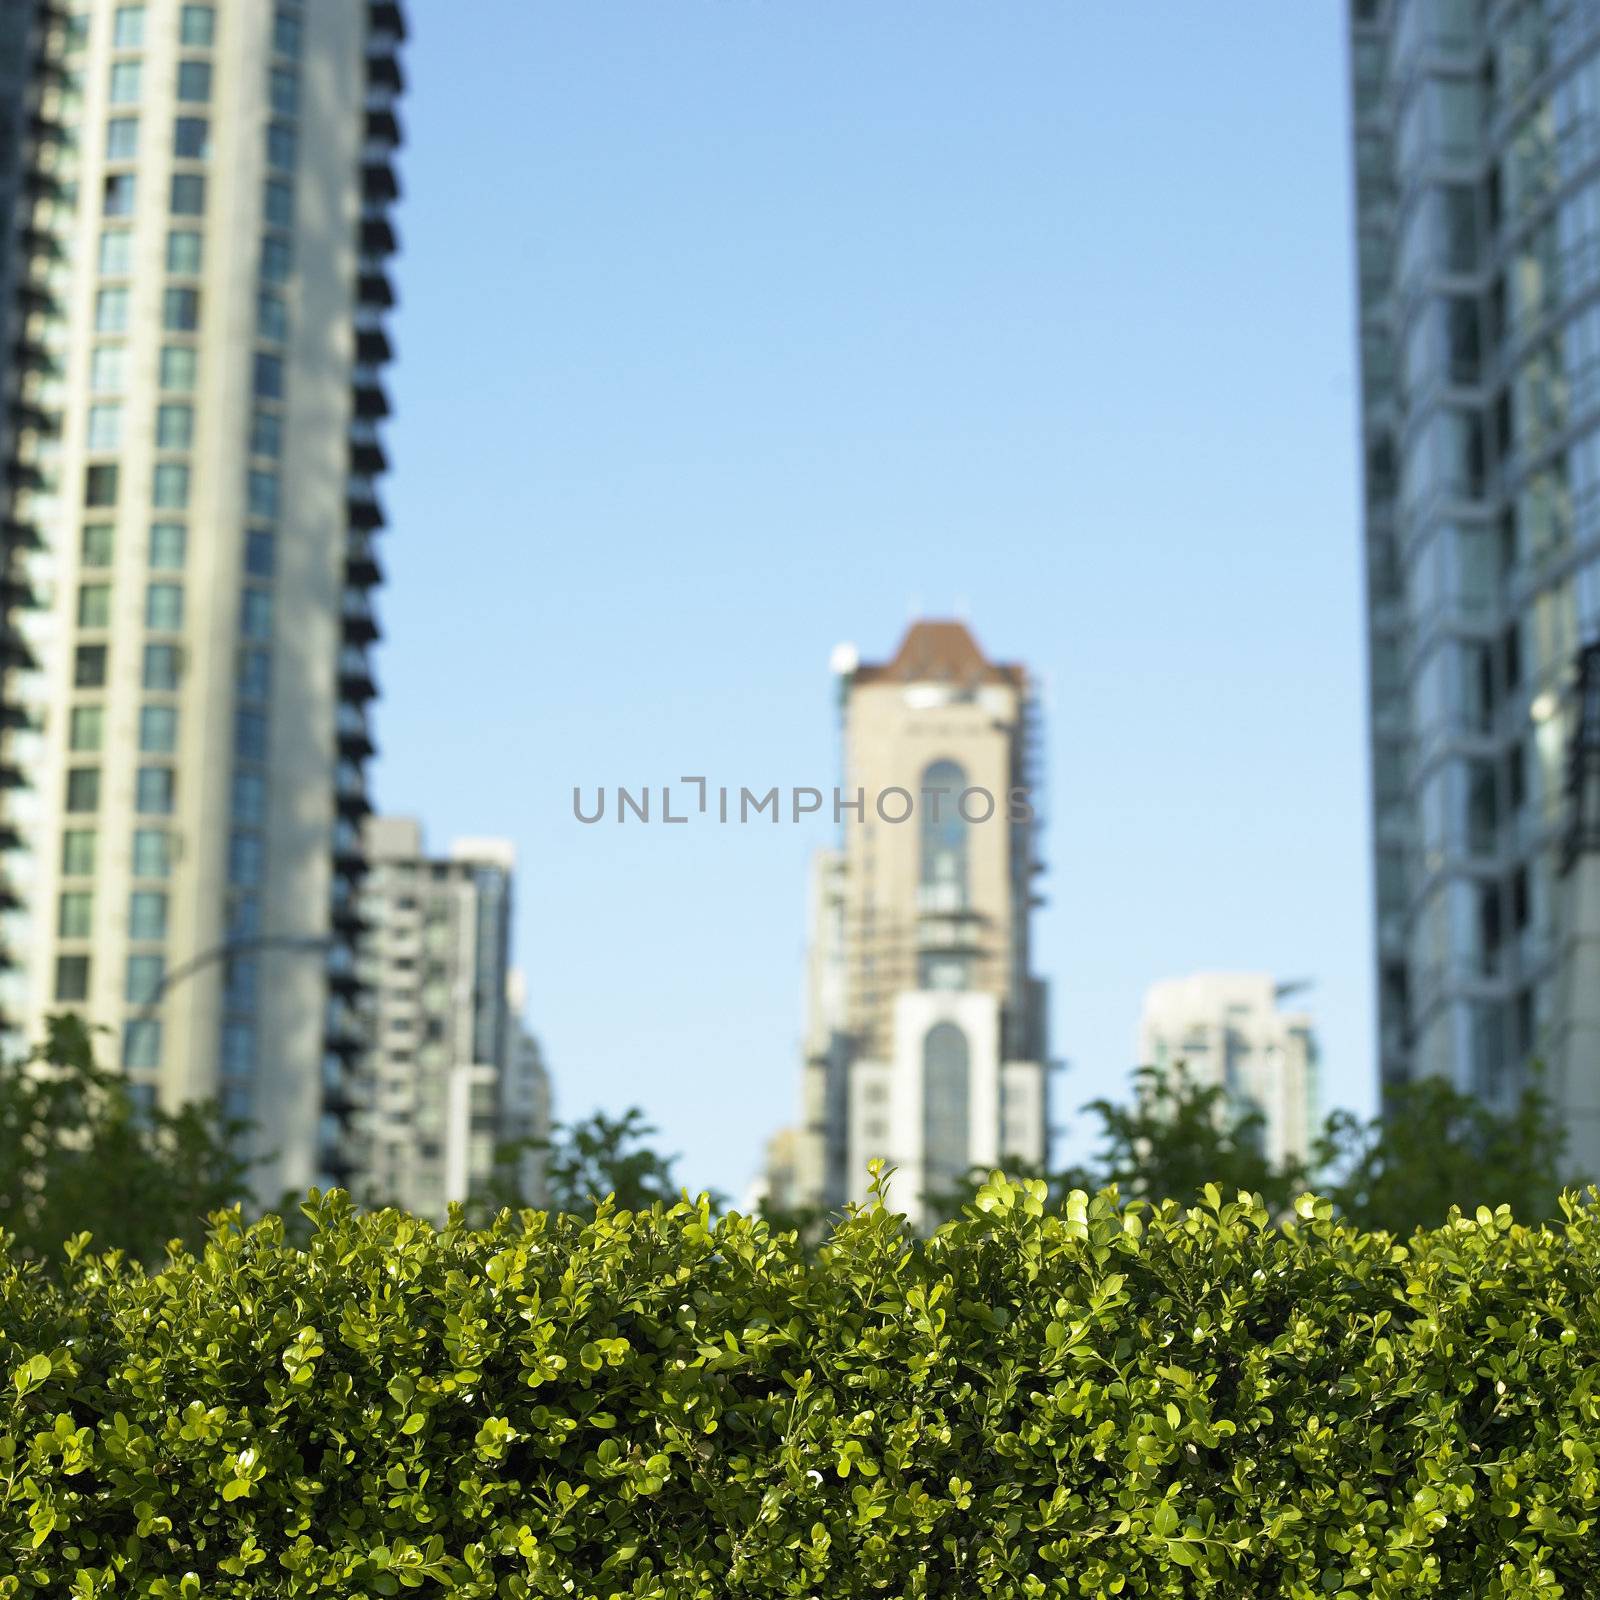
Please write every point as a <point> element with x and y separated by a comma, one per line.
<point>195,341</point>
<point>1227,1029</point>
<point>925,1034</point>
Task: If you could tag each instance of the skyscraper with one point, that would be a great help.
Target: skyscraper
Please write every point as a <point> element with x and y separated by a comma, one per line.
<point>1227,1030</point>
<point>193,383</point>
<point>450,1075</point>
<point>925,1040</point>
<point>1478,215</point>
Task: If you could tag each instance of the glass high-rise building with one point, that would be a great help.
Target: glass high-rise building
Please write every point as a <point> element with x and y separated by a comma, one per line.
<point>196,284</point>
<point>1477,168</point>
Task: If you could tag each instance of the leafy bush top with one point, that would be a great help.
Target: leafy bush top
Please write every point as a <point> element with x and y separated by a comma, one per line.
<point>1095,1400</point>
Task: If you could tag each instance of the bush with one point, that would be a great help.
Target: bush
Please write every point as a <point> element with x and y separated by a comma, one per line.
<point>1101,1400</point>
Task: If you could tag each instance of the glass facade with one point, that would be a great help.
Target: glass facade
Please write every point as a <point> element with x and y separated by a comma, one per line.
<point>1477,137</point>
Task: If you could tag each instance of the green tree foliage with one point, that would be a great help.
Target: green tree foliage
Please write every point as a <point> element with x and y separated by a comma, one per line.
<point>601,1156</point>
<point>77,1157</point>
<point>1106,1398</point>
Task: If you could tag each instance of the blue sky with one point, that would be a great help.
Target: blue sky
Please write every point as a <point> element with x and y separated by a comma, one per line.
<point>732,329</point>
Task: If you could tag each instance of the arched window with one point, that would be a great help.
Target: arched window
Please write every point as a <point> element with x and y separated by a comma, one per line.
<point>944,1107</point>
<point>944,836</point>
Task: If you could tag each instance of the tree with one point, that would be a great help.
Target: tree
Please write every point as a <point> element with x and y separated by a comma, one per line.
<point>1435,1147</point>
<point>77,1156</point>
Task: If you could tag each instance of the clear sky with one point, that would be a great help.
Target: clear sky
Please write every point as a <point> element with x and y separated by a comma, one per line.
<point>733,329</point>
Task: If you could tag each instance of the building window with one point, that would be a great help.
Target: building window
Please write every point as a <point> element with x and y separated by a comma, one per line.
<point>266,435</point>
<point>98,544</point>
<point>122,139</point>
<point>161,667</point>
<point>118,195</point>
<point>255,674</point>
<point>100,484</point>
<point>238,1049</point>
<point>111,310</point>
<point>171,489</point>
<point>94,605</point>
<point>116,253</point>
<point>155,791</point>
<point>245,858</point>
<point>286,33</point>
<point>272,318</point>
<point>250,736</point>
<point>285,92</point>
<point>241,983</point>
<point>125,77</point>
<point>256,615</point>
<point>77,853</point>
<point>86,728</point>
<point>276,261</point>
<point>197,26</point>
<point>263,495</point>
<point>72,978</point>
<point>279,206</point>
<point>178,365</point>
<point>945,1099</point>
<point>163,607</point>
<point>167,545</point>
<point>184,251</point>
<point>76,914</point>
<point>152,856</point>
<point>249,799</point>
<point>105,426</point>
<point>158,730</point>
<point>174,426</point>
<point>188,194</point>
<point>269,376</point>
<point>259,554</point>
<point>146,974</point>
<point>280,147</point>
<point>194,81</point>
<point>127,31</point>
<point>141,1045</point>
<point>147,914</point>
<point>89,667</point>
<point>106,368</point>
<point>191,139</point>
<point>180,310</point>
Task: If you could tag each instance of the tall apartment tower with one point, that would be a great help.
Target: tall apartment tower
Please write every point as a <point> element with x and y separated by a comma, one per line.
<point>194,342</point>
<point>1478,215</point>
<point>925,1039</point>
<point>451,1075</point>
<point>1229,1030</point>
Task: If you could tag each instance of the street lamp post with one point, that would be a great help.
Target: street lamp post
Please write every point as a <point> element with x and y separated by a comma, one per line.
<point>308,944</point>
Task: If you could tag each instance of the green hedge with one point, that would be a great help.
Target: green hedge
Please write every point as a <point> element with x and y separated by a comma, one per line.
<point>1092,1401</point>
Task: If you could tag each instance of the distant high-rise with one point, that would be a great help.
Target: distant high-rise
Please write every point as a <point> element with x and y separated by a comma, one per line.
<point>1478,216</point>
<point>194,299</point>
<point>1227,1030</point>
<point>925,1038</point>
<point>450,1075</point>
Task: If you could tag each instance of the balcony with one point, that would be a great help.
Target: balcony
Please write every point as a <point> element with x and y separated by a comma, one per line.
<point>373,348</point>
<point>374,289</point>
<point>387,16</point>
<point>378,182</point>
<point>355,733</point>
<point>360,620</point>
<point>361,569</point>
<point>366,454</point>
<point>378,238</point>
<point>356,681</point>
<point>383,67</point>
<point>383,128</point>
<point>364,511</point>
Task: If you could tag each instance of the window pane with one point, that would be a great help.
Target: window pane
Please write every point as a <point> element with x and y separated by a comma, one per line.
<point>167,545</point>
<point>94,605</point>
<point>116,252</point>
<point>111,311</point>
<point>161,666</point>
<point>244,860</point>
<point>75,914</point>
<point>122,139</point>
<point>83,789</point>
<point>100,485</point>
<point>286,34</point>
<point>125,83</point>
<point>180,310</point>
<point>263,495</point>
<point>178,363</point>
<point>249,798</point>
<point>266,434</point>
<point>194,80</point>
<point>171,485</point>
<point>97,545</point>
<point>87,727</point>
<point>191,139</point>
<point>258,553</point>
<point>105,426</point>
<point>256,615</point>
<point>145,976</point>
<point>163,607</point>
<point>183,251</point>
<point>255,674</point>
<point>128,30</point>
<point>77,853</point>
<point>174,426</point>
<point>285,92</point>
<point>197,25</point>
<point>141,1045</point>
<point>276,262</point>
<point>119,192</point>
<point>89,666</point>
<point>279,203</point>
<point>188,194</point>
<point>158,730</point>
<point>272,318</point>
<point>106,368</point>
<point>155,790</point>
<point>250,736</point>
<point>150,853</point>
<point>269,376</point>
<point>280,147</point>
<point>72,978</point>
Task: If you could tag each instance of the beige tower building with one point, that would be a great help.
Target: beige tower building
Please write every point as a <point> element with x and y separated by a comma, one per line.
<point>196,335</point>
<point>1227,1029</point>
<point>925,1040</point>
